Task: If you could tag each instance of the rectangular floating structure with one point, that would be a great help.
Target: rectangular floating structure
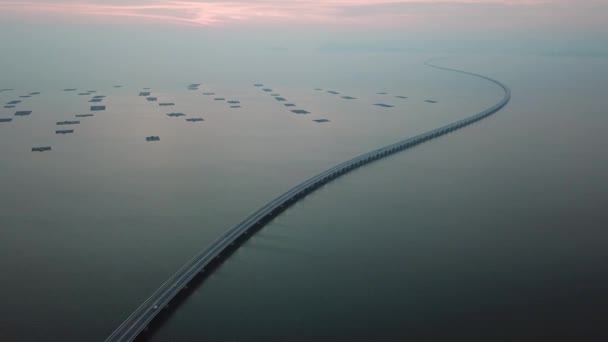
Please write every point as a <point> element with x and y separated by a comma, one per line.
<point>237,106</point>
<point>95,100</point>
<point>430,101</point>
<point>99,96</point>
<point>23,112</point>
<point>83,115</point>
<point>195,85</point>
<point>24,96</point>
<point>82,94</point>
<point>234,101</point>
<point>278,98</point>
<point>321,120</point>
<point>383,105</point>
<point>145,88</point>
<point>67,122</point>
<point>401,97</point>
<point>300,111</point>
<point>219,99</point>
<point>117,86</point>
<point>6,119</point>
<point>6,89</point>
<point>289,105</point>
<point>268,90</point>
<point>35,93</point>
<point>176,114</point>
<point>164,104</point>
<point>208,93</point>
<point>275,94</point>
<point>144,93</point>
<point>195,119</point>
<point>64,131</point>
<point>69,89</point>
<point>382,93</point>
<point>153,138</point>
<point>91,91</point>
<point>10,106</point>
<point>258,85</point>
<point>41,149</point>
<point>98,108</point>
<point>317,89</point>
<point>151,98</point>
<point>333,92</point>
<point>13,102</point>
<point>349,97</point>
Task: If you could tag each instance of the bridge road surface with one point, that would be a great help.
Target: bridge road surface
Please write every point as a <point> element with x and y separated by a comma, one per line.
<point>150,308</point>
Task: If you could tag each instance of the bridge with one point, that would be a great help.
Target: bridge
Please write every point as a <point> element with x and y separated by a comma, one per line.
<point>202,262</point>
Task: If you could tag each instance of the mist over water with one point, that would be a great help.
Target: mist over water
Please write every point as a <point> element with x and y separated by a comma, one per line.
<point>494,231</point>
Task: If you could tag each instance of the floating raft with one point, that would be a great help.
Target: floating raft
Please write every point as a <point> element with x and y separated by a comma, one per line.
<point>64,131</point>
<point>165,104</point>
<point>234,102</point>
<point>83,94</point>
<point>117,86</point>
<point>67,122</point>
<point>275,94</point>
<point>95,100</point>
<point>176,114</point>
<point>195,119</point>
<point>382,93</point>
<point>10,106</point>
<point>219,99</point>
<point>41,149</point>
<point>318,89</point>
<point>83,115</point>
<point>258,85</point>
<point>151,98</point>
<point>333,92</point>
<point>35,93</point>
<point>237,106</point>
<point>6,119</point>
<point>144,93</point>
<point>153,138</point>
<point>289,105</point>
<point>349,97</point>
<point>13,102</point>
<point>23,112</point>
<point>208,93</point>
<point>278,98</point>
<point>69,89</point>
<point>383,105</point>
<point>99,96</point>
<point>300,111</point>
<point>24,96</point>
<point>430,101</point>
<point>98,108</point>
<point>401,97</point>
<point>268,90</point>
<point>321,120</point>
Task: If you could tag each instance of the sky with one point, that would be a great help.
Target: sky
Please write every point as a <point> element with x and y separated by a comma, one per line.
<point>512,15</point>
<point>47,42</point>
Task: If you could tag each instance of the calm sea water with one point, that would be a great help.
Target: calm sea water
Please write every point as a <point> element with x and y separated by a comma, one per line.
<point>492,231</point>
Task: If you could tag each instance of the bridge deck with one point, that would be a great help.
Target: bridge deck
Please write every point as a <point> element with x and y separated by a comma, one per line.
<point>149,309</point>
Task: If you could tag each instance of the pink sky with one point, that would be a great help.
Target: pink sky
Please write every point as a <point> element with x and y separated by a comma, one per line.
<point>442,14</point>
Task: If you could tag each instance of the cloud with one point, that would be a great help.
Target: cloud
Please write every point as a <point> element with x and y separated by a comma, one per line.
<point>407,13</point>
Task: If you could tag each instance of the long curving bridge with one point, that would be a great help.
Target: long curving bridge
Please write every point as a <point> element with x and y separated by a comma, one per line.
<point>143,316</point>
